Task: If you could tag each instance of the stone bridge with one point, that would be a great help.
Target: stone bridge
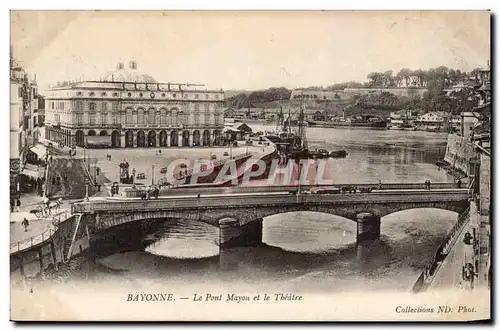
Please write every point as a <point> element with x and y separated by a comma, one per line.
<point>239,216</point>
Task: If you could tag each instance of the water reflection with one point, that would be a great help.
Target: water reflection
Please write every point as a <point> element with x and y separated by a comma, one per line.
<point>311,251</point>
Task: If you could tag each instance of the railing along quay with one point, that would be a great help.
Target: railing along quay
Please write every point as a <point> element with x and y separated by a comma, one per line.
<point>38,239</point>
<point>442,252</point>
<point>214,165</point>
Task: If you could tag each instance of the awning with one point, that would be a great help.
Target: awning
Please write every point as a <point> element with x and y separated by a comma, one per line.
<point>229,129</point>
<point>32,170</point>
<point>39,150</point>
<point>30,173</point>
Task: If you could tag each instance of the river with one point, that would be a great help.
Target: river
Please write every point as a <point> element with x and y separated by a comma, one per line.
<point>304,251</point>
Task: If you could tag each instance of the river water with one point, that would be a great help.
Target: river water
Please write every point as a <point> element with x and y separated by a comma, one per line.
<point>303,251</point>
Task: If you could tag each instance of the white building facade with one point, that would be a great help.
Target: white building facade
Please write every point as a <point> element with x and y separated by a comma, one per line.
<point>126,108</point>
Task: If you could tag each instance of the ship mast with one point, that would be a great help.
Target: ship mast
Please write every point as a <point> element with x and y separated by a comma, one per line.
<point>279,121</point>
<point>301,132</point>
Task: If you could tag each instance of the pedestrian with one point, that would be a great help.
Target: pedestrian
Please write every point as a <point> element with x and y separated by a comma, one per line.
<point>459,183</point>
<point>429,185</point>
<point>18,205</point>
<point>12,205</point>
<point>50,159</point>
<point>65,177</point>
<point>25,223</point>
<point>53,180</point>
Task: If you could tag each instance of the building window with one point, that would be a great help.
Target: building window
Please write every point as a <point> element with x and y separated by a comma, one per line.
<point>104,106</point>
<point>79,94</point>
<point>103,94</point>
<point>196,119</point>
<point>186,96</point>
<point>92,106</point>
<point>116,119</point>
<point>207,96</point>
<point>115,94</point>
<point>104,118</point>
<point>196,96</point>
<point>140,94</point>
<point>91,94</point>
<point>129,94</point>
<point>174,95</point>
<point>79,106</point>
<point>52,105</point>
<point>91,119</point>
<point>129,118</point>
<point>140,117</point>
<point>196,107</point>
<point>152,117</point>
<point>163,95</point>
<point>20,92</point>
<point>115,106</point>
<point>216,97</point>
<point>79,119</point>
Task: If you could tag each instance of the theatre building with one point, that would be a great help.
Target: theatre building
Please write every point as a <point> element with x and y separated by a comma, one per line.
<point>127,108</point>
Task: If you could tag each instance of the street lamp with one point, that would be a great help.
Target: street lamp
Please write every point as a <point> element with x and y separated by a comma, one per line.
<point>86,189</point>
<point>152,174</point>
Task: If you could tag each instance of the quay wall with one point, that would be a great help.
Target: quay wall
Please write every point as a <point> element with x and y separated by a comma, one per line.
<point>49,253</point>
<point>459,152</point>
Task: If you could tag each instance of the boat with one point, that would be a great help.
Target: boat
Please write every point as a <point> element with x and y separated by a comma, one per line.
<point>338,154</point>
<point>289,135</point>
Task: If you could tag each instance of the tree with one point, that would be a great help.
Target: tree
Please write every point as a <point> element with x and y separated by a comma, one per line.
<point>388,79</point>
<point>420,76</point>
<point>375,78</point>
<point>404,76</point>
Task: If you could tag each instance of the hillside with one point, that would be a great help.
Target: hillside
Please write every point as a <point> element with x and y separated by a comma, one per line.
<point>232,93</point>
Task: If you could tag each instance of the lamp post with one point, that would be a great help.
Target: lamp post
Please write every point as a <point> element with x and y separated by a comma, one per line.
<point>133,176</point>
<point>86,190</point>
<point>153,174</point>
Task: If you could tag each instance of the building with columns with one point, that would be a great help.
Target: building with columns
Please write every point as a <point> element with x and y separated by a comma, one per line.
<point>127,108</point>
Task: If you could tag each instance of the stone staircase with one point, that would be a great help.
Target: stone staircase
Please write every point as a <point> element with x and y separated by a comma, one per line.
<point>70,239</point>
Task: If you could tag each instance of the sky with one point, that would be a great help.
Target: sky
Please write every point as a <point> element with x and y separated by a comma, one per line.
<point>247,50</point>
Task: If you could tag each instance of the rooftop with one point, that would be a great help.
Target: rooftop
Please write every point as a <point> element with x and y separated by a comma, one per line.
<point>130,74</point>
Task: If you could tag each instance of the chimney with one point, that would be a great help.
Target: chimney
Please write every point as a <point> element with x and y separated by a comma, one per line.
<point>133,65</point>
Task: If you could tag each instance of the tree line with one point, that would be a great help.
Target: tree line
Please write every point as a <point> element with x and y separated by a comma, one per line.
<point>434,80</point>
<point>249,100</point>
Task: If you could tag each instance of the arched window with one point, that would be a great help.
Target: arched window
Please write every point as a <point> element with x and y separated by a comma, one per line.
<point>152,114</point>
<point>130,118</point>
<point>140,117</point>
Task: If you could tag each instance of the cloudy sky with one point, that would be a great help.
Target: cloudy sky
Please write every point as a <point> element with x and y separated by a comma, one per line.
<point>247,50</point>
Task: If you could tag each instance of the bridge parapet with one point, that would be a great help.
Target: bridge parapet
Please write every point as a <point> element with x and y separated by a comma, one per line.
<point>284,199</point>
